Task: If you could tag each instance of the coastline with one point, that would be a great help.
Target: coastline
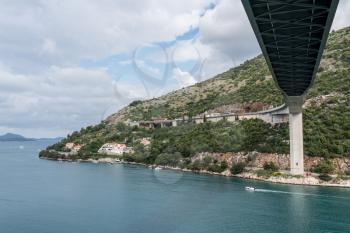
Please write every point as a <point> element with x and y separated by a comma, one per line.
<point>308,181</point>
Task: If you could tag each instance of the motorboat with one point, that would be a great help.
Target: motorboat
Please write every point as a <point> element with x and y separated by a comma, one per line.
<point>248,188</point>
<point>157,168</point>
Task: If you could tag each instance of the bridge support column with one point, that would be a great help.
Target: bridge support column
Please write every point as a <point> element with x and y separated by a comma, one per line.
<point>296,143</point>
<point>296,134</point>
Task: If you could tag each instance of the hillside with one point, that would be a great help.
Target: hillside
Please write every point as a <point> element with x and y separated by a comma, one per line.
<point>326,115</point>
<point>14,137</point>
<point>248,83</point>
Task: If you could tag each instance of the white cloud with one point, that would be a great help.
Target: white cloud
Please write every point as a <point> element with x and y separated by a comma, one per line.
<point>147,69</point>
<point>43,42</point>
<point>188,50</point>
<point>49,46</point>
<point>59,101</point>
<point>342,17</point>
<point>227,31</point>
<point>64,99</point>
<point>230,38</point>
<point>184,78</point>
<point>86,28</point>
<point>125,62</point>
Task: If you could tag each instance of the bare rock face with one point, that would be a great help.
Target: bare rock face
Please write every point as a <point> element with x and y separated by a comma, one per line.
<point>226,172</point>
<point>318,101</point>
<point>229,157</point>
<point>118,117</point>
<point>257,160</point>
<point>309,162</point>
<point>282,161</point>
<point>341,164</point>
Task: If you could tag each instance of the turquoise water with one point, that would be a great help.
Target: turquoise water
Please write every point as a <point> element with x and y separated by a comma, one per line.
<point>38,196</point>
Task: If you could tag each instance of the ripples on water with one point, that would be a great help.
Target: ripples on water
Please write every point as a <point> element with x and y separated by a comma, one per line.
<point>296,193</point>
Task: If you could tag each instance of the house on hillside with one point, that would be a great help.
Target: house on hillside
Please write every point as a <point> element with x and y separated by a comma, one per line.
<point>76,147</point>
<point>145,142</point>
<point>115,149</point>
<point>69,145</point>
<point>73,147</point>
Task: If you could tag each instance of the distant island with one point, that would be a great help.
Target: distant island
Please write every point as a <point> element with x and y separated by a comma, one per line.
<point>11,137</point>
<point>14,137</point>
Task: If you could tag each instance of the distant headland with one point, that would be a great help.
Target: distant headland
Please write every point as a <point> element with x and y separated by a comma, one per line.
<point>14,137</point>
<point>11,137</point>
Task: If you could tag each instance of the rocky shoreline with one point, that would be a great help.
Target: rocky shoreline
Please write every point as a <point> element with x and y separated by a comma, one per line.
<point>310,180</point>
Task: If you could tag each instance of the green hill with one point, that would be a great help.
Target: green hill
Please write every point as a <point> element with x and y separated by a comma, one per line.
<point>326,114</point>
<point>248,83</point>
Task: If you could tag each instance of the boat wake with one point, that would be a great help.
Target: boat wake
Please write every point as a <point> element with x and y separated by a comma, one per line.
<point>299,194</point>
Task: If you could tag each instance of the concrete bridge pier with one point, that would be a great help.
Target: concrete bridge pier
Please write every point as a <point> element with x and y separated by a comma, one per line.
<point>296,143</point>
<point>296,135</point>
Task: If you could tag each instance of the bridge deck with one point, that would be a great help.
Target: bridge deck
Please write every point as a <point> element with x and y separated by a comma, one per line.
<point>292,35</point>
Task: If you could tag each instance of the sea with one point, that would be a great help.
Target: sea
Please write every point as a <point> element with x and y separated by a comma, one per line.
<point>40,196</point>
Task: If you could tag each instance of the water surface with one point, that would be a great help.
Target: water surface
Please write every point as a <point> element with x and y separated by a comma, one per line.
<point>38,196</point>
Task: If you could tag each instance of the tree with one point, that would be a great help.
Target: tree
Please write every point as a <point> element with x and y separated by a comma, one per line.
<point>90,149</point>
<point>207,160</point>
<point>255,134</point>
<point>237,168</point>
<point>270,166</point>
<point>196,165</point>
<point>168,159</point>
<point>224,165</point>
<point>324,167</point>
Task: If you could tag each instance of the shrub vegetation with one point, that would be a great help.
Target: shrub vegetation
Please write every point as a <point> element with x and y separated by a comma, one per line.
<point>270,166</point>
<point>237,168</point>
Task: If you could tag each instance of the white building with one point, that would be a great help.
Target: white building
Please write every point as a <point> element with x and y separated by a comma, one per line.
<point>69,145</point>
<point>115,149</point>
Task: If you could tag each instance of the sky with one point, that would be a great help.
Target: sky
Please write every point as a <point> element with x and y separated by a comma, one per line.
<point>68,64</point>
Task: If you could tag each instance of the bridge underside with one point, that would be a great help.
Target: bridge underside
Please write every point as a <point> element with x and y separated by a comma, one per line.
<point>292,35</point>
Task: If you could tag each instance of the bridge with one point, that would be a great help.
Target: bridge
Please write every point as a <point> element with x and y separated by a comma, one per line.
<point>292,35</point>
<point>272,116</point>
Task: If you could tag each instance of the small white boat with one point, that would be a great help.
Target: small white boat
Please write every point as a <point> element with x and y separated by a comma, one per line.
<point>249,188</point>
<point>157,168</point>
